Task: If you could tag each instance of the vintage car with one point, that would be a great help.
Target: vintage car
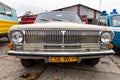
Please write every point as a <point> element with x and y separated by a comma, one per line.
<point>59,37</point>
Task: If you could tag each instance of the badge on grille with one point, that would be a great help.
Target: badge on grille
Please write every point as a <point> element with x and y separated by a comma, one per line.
<point>63,32</point>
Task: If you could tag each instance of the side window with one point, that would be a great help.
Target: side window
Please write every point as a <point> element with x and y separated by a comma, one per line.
<point>102,21</point>
<point>2,10</point>
<point>116,20</point>
<point>8,11</point>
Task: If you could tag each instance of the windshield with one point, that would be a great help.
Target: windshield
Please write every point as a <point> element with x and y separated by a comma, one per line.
<point>116,20</point>
<point>58,16</point>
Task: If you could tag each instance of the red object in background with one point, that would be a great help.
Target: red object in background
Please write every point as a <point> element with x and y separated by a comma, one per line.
<point>84,19</point>
<point>27,20</point>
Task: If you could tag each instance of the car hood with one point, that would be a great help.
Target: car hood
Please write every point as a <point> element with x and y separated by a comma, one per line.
<point>60,25</point>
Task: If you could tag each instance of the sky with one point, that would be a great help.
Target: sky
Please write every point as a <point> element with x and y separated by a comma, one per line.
<point>37,6</point>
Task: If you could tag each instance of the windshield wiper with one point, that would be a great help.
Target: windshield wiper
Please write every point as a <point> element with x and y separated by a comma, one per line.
<point>59,20</point>
<point>44,19</point>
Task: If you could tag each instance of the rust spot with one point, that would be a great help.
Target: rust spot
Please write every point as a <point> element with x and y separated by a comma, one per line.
<point>56,78</point>
<point>33,77</point>
<point>25,75</point>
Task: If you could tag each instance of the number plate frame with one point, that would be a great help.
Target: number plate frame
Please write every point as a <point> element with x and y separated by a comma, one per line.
<point>62,59</point>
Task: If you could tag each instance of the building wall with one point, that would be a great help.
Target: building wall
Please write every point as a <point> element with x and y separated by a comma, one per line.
<point>98,14</point>
<point>70,9</point>
<point>86,11</point>
<point>82,10</point>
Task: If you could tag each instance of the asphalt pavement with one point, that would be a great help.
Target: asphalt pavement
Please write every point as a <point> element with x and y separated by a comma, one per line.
<point>10,69</point>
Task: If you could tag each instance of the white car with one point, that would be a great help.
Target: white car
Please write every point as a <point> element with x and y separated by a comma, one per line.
<point>59,37</point>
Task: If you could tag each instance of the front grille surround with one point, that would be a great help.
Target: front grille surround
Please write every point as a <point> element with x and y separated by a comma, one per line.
<point>61,36</point>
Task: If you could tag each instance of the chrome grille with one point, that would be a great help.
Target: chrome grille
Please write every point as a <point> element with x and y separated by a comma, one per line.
<point>61,36</point>
<point>81,36</point>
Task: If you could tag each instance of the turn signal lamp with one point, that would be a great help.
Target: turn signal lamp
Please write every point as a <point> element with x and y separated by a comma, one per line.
<point>10,46</point>
<point>111,46</point>
<point>104,13</point>
<point>114,11</point>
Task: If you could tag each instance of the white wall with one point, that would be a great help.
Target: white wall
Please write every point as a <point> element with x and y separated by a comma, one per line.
<point>86,11</point>
<point>71,9</point>
<point>98,14</point>
<point>83,11</point>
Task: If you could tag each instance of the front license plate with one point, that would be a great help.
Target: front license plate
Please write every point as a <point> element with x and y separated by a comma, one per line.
<point>62,59</point>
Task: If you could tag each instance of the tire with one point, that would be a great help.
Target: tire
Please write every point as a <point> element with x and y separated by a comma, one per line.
<point>92,62</point>
<point>27,62</point>
<point>117,50</point>
<point>8,39</point>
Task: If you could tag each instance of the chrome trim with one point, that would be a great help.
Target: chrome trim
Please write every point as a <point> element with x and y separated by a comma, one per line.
<point>59,36</point>
<point>76,44</point>
<point>72,53</point>
<point>38,57</point>
<point>111,33</point>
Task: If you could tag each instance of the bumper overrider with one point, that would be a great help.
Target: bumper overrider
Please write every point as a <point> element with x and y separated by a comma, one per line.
<point>61,53</point>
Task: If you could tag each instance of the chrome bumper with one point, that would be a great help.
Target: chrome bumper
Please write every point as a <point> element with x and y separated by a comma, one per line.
<point>74,53</point>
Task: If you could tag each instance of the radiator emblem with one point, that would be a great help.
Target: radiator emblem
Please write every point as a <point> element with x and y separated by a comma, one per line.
<point>63,32</point>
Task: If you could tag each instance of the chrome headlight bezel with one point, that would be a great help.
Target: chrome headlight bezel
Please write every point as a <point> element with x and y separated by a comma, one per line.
<point>106,37</point>
<point>16,36</point>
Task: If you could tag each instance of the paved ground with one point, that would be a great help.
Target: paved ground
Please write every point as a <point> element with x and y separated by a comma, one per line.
<point>11,69</point>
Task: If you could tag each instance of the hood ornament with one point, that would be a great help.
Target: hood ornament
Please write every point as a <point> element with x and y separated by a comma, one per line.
<point>63,32</point>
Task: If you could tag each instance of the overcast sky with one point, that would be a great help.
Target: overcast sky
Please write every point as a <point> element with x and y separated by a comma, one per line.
<point>37,6</point>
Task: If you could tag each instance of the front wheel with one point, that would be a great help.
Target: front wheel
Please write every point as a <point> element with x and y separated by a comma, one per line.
<point>117,50</point>
<point>92,62</point>
<point>27,62</point>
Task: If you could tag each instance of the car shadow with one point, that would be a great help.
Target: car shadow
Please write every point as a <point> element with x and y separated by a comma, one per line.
<point>4,40</point>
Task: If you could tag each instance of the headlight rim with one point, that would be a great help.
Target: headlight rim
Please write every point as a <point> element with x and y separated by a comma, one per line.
<point>110,32</point>
<point>13,31</point>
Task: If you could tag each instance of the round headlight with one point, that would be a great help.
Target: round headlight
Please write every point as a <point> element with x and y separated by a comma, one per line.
<point>17,37</point>
<point>106,37</point>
